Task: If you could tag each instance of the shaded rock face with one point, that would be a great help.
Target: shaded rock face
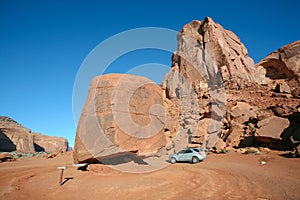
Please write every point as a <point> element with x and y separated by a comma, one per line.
<point>122,113</point>
<point>284,64</point>
<point>15,137</point>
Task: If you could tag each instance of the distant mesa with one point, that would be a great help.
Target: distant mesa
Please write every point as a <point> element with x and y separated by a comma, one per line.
<point>15,137</point>
<point>214,97</point>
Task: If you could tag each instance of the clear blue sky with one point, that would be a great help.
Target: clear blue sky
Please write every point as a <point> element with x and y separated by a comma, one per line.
<point>43,43</point>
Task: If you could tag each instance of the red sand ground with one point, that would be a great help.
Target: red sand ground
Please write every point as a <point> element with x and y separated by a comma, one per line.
<point>225,176</point>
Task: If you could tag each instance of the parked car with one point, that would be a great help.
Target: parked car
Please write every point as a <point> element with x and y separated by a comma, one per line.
<point>193,155</point>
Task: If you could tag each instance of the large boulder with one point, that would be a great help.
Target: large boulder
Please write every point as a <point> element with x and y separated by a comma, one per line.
<point>235,135</point>
<point>201,133</point>
<point>272,127</point>
<point>282,87</point>
<point>122,113</point>
<point>242,112</point>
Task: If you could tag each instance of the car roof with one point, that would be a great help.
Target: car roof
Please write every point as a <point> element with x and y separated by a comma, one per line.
<point>194,148</point>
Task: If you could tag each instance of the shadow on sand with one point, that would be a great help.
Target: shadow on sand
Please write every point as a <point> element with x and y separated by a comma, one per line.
<point>66,180</point>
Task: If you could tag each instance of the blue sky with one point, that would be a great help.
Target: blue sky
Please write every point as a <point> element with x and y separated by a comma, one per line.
<point>43,43</point>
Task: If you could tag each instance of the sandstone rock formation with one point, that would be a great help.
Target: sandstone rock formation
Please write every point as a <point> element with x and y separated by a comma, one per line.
<point>214,96</point>
<point>122,113</point>
<point>209,59</point>
<point>49,143</point>
<point>15,137</point>
<point>242,112</point>
<point>284,64</point>
<point>208,52</point>
<point>272,127</point>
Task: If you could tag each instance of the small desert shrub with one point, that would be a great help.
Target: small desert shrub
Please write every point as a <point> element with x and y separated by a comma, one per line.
<point>19,155</point>
<point>252,151</point>
<point>223,151</point>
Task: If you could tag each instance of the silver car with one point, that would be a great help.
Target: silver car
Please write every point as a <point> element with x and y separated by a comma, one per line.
<point>193,155</point>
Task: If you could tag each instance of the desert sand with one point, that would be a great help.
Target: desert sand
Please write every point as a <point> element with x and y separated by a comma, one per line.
<point>220,176</point>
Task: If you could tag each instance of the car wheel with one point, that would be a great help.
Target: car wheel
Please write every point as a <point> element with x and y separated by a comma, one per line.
<point>195,160</point>
<point>173,160</point>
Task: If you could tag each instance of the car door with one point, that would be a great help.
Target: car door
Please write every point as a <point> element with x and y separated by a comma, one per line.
<point>188,155</point>
<point>180,155</point>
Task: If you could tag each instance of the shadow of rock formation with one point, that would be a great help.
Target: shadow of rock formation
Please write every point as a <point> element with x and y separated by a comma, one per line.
<point>6,144</point>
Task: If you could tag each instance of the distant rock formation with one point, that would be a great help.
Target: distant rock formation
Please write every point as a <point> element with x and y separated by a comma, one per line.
<point>214,97</point>
<point>284,64</point>
<point>49,143</point>
<point>15,137</point>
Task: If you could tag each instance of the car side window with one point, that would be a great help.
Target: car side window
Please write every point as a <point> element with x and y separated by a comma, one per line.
<point>189,151</point>
<point>182,151</point>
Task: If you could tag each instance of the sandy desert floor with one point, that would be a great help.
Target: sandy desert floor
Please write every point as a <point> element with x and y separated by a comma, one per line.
<point>222,176</point>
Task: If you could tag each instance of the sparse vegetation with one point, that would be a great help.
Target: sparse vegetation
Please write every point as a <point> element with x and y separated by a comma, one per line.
<point>223,151</point>
<point>252,151</point>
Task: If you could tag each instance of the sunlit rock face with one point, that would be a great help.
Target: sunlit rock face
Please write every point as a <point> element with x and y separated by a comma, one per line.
<point>15,137</point>
<point>284,64</point>
<point>122,113</point>
<point>214,97</point>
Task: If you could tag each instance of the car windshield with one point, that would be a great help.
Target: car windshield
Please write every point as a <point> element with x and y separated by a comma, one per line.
<point>182,151</point>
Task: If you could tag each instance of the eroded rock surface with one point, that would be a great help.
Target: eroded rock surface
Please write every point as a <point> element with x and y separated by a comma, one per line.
<point>15,137</point>
<point>209,59</point>
<point>214,97</point>
<point>122,113</point>
<point>49,143</point>
<point>284,64</point>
